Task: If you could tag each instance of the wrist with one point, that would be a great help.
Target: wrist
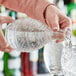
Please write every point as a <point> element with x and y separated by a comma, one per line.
<point>48,8</point>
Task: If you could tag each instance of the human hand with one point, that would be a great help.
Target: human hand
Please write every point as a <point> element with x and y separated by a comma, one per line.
<point>56,20</point>
<point>4,46</point>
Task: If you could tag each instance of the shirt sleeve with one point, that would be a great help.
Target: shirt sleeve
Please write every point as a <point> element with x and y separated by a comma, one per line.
<point>33,8</point>
<point>1,1</point>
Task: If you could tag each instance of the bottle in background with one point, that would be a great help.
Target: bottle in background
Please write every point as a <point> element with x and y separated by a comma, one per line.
<point>12,66</point>
<point>1,64</point>
<point>13,14</point>
<point>29,63</point>
<point>41,65</point>
<point>34,59</point>
<point>26,64</point>
<point>71,8</point>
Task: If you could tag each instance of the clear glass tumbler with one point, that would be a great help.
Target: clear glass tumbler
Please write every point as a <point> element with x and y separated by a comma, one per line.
<point>54,55</point>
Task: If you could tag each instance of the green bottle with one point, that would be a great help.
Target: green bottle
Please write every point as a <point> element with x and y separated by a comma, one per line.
<point>12,64</point>
<point>12,60</point>
<point>71,8</point>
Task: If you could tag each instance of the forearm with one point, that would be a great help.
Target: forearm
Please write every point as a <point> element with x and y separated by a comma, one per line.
<point>33,8</point>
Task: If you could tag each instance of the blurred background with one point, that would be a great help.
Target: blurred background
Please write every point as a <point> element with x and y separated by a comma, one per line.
<point>32,64</point>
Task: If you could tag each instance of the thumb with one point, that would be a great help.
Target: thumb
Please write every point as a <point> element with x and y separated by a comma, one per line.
<point>53,22</point>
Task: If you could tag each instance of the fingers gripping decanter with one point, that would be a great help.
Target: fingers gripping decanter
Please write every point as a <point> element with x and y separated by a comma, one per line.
<point>28,35</point>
